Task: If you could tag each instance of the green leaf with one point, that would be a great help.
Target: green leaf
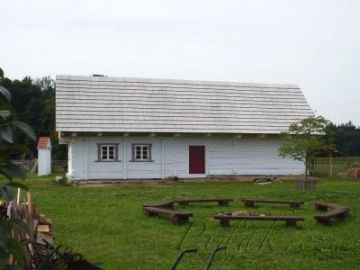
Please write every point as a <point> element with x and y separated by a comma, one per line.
<point>17,250</point>
<point>25,128</point>
<point>13,267</point>
<point>18,185</point>
<point>6,192</point>
<point>5,228</point>
<point>7,134</point>
<point>5,114</point>
<point>5,93</point>
<point>12,171</point>
<point>18,147</point>
<point>4,257</point>
<point>18,223</point>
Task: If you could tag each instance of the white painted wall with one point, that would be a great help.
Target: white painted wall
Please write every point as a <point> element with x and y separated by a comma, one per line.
<point>44,162</point>
<point>224,156</point>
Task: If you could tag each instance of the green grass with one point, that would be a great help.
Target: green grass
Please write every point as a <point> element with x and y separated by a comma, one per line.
<point>107,225</point>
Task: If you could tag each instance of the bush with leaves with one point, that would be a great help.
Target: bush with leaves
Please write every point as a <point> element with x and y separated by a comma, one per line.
<point>9,173</point>
<point>306,138</point>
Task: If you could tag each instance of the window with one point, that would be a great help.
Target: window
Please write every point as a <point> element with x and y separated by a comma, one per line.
<point>107,152</point>
<point>141,152</point>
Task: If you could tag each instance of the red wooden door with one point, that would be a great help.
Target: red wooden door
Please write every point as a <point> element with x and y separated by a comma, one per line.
<point>197,159</point>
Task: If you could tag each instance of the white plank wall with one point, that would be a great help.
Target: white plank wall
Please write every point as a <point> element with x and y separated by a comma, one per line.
<point>223,156</point>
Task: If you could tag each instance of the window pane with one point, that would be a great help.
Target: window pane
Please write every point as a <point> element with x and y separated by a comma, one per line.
<point>107,152</point>
<point>141,151</point>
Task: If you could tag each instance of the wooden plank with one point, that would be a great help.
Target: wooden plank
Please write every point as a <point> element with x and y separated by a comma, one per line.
<point>273,201</point>
<point>220,201</point>
<point>205,200</point>
<point>43,228</point>
<point>166,211</point>
<point>160,204</point>
<point>40,237</point>
<point>251,202</point>
<point>271,218</point>
<point>290,221</point>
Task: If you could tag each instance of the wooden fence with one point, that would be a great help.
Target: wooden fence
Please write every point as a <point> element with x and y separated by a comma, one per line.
<point>58,166</point>
<point>325,167</point>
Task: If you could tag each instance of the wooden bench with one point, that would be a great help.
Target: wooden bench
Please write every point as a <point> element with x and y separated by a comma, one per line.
<point>290,221</point>
<point>168,204</point>
<point>336,211</point>
<point>251,202</point>
<point>220,201</point>
<point>177,217</point>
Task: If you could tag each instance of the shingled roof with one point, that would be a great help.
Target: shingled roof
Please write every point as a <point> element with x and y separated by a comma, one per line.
<point>44,143</point>
<point>106,104</point>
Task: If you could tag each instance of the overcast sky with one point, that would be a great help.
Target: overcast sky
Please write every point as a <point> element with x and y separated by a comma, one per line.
<point>314,43</point>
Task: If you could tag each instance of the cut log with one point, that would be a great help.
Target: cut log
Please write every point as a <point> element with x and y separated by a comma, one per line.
<point>43,228</point>
<point>40,237</point>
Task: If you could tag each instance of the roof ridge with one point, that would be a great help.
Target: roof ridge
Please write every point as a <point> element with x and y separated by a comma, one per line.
<point>170,81</point>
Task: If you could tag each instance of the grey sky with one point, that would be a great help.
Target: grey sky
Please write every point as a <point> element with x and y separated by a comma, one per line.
<point>314,43</point>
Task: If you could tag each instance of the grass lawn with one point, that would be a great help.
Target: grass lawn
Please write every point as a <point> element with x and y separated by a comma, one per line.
<point>107,225</point>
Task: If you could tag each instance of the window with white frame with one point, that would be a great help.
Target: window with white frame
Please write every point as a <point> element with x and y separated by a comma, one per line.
<point>141,152</point>
<point>107,152</point>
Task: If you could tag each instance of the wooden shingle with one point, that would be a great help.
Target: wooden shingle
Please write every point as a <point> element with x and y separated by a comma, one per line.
<point>106,104</point>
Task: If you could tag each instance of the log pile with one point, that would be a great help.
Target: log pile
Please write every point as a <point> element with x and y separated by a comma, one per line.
<point>39,238</point>
<point>352,173</point>
<point>40,252</point>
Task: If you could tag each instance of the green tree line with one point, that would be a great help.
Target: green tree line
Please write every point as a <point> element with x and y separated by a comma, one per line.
<point>34,101</point>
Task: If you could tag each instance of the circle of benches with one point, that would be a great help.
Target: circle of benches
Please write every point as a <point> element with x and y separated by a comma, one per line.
<point>165,208</point>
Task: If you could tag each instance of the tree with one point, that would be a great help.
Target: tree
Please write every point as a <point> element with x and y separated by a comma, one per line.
<point>34,103</point>
<point>303,139</point>
<point>347,138</point>
<point>8,125</point>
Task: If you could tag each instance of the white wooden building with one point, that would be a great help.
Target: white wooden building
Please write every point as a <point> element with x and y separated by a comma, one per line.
<point>133,128</point>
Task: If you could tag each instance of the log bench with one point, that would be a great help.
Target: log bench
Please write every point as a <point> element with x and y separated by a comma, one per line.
<point>333,211</point>
<point>177,217</point>
<point>220,201</point>
<point>290,221</point>
<point>168,204</point>
<point>251,202</point>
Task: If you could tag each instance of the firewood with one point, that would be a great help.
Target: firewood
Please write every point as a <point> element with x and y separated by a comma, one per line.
<point>35,224</point>
<point>44,221</point>
<point>44,236</point>
<point>43,228</point>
